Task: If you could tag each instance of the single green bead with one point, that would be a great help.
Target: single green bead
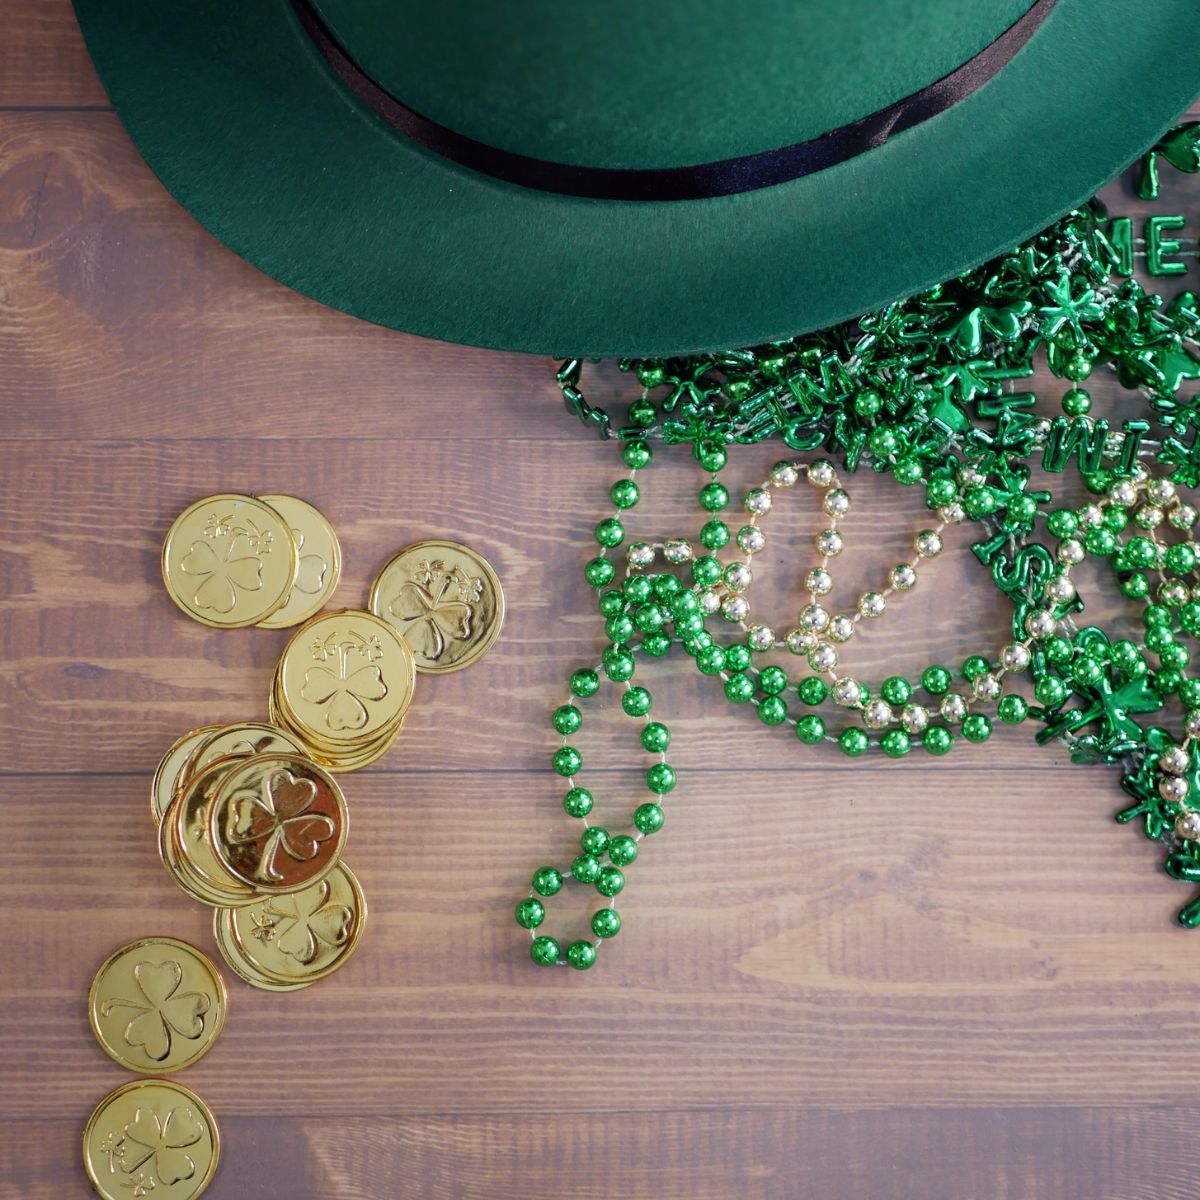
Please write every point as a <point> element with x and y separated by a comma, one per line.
<point>656,737</point>
<point>611,603</point>
<point>648,818</point>
<point>606,923</point>
<point>706,570</point>
<point>581,955</point>
<point>643,414</point>
<point>567,719</point>
<point>1076,402</point>
<point>618,663</point>
<point>1166,682</point>
<point>547,881</point>
<point>896,743</point>
<point>711,660</point>
<point>649,618</point>
<point>940,491</point>
<point>1098,482</point>
<point>610,532</point>
<point>1189,617</point>
<point>813,690</point>
<point>594,840</point>
<point>1098,650</point>
<point>1086,671</point>
<point>622,850</point>
<point>530,913</point>
<point>610,882</point>
<point>1012,709</point>
<point>660,779</point>
<point>1115,518</point>
<point>636,701</point>
<point>1050,691</point>
<point>711,456</point>
<point>1157,615</point>
<point>585,868</point>
<point>1124,654</point>
<point>691,623</point>
<point>624,493</point>
<point>1100,541</point>
<point>980,502</point>
<point>868,403</point>
<point>567,761</point>
<point>976,727</point>
<point>737,657</point>
<point>637,454</point>
<point>1059,651</point>
<point>544,951</point>
<point>1135,586</point>
<point>936,680</point>
<point>577,802</point>
<point>810,730</point>
<point>683,604</point>
<point>975,666</point>
<point>1181,558</point>
<point>666,586</point>
<point>1077,368</point>
<point>882,441</point>
<point>773,680</point>
<point>1175,657</point>
<point>1021,510</point>
<point>619,628</point>
<point>1158,637</point>
<point>656,644</point>
<point>739,687</point>
<point>738,390</point>
<point>853,741</point>
<point>651,373</point>
<point>637,588</point>
<point>1062,523</point>
<point>896,690</point>
<point>908,471</point>
<point>599,572</point>
<point>714,496</point>
<point>714,534</point>
<point>937,739</point>
<point>696,643</point>
<point>772,710</point>
<point>1140,552</point>
<point>1189,693</point>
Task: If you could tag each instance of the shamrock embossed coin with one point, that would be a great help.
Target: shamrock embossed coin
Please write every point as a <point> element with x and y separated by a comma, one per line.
<point>320,561</point>
<point>151,1137</point>
<point>157,1004</point>
<point>229,561</point>
<point>231,952</point>
<point>278,823</point>
<point>446,601</point>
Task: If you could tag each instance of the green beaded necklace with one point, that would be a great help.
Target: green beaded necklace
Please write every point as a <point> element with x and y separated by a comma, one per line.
<point>922,390</point>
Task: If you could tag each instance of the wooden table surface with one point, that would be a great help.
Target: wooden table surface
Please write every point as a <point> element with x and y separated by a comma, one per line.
<point>952,980</point>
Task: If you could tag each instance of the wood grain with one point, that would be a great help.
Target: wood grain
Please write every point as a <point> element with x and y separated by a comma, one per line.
<point>945,980</point>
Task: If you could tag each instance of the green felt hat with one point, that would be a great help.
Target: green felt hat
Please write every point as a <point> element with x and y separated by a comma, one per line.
<point>603,177</point>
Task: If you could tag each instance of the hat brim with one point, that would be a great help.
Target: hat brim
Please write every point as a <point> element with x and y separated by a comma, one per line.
<point>243,121</point>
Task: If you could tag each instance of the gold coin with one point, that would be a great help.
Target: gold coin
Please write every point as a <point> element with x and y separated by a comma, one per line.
<point>231,952</point>
<point>229,561</point>
<point>320,561</point>
<point>445,600</point>
<point>345,678</point>
<point>278,822</point>
<point>241,740</point>
<point>335,758</point>
<point>151,1137</point>
<point>157,1004</point>
<point>304,936</point>
<point>205,874</point>
<point>167,771</point>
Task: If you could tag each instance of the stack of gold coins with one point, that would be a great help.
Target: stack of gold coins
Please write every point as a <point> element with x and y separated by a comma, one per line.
<point>232,560</point>
<point>342,687</point>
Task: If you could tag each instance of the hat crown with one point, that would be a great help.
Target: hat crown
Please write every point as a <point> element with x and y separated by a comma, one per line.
<point>626,83</point>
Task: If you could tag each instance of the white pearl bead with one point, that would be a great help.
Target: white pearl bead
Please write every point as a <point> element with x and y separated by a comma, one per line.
<point>1171,787</point>
<point>814,617</point>
<point>821,473</point>
<point>1015,657</point>
<point>953,708</point>
<point>952,514</point>
<point>640,554</point>
<point>1174,761</point>
<point>1039,623</point>
<point>784,474</point>
<point>800,641</point>
<point>1187,825</point>
<point>709,601</point>
<point>677,550</point>
<point>822,657</point>
<point>738,577</point>
<point>819,582</point>
<point>1161,491</point>
<point>757,501</point>
<point>928,543</point>
<point>836,502</point>
<point>871,604</point>
<point>1122,493</point>
<point>877,714</point>
<point>914,718</point>
<point>829,543</point>
<point>760,637</point>
<point>1070,552</point>
<point>1060,589</point>
<point>847,692</point>
<point>903,577</point>
<point>841,628</point>
<point>751,539</point>
<point>736,608</point>
<point>987,687</point>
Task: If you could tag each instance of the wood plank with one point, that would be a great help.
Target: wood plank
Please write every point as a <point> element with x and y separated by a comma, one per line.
<point>43,60</point>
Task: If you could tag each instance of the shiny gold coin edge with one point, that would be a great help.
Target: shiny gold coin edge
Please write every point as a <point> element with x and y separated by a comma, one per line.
<point>222,998</point>
<point>335,567</point>
<point>214,1133</point>
<point>218,882</point>
<point>288,540</point>
<point>351,944</point>
<point>486,643</point>
<point>219,796</point>
<point>178,868</point>
<point>158,783</point>
<point>339,758</point>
